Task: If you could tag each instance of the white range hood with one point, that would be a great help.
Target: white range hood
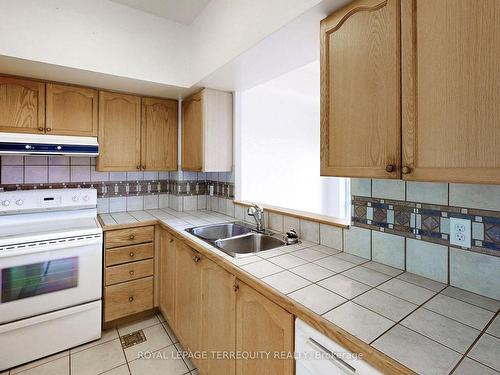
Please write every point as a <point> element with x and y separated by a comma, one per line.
<point>43,144</point>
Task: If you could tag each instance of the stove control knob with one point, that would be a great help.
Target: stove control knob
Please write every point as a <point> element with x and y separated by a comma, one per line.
<point>86,198</point>
<point>6,203</point>
<point>19,202</point>
<point>75,198</point>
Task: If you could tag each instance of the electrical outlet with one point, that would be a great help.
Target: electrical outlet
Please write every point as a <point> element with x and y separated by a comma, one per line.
<point>460,232</point>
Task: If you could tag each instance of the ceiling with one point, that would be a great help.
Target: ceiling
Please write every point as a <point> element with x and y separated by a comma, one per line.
<point>184,11</point>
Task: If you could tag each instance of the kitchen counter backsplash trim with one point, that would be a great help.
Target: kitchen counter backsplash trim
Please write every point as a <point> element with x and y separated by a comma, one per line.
<point>427,222</point>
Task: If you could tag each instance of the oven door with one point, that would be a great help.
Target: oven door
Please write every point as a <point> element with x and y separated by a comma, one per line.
<point>49,275</point>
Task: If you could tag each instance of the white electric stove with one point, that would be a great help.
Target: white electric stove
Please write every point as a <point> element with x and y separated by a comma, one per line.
<point>50,272</point>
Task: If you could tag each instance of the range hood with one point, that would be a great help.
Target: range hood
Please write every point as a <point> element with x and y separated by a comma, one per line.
<point>43,144</point>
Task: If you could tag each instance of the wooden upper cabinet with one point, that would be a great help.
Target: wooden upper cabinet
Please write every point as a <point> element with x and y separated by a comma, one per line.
<point>360,90</point>
<point>262,326</point>
<point>207,131</point>
<point>159,134</point>
<point>119,132</point>
<point>451,90</point>
<point>71,110</point>
<point>22,106</point>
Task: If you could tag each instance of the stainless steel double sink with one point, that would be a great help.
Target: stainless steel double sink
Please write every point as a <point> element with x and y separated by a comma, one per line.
<point>237,239</point>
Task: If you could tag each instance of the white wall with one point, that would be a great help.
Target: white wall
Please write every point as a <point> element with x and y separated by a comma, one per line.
<point>279,160</point>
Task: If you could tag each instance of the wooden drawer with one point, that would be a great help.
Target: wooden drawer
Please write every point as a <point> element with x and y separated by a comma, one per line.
<point>130,236</point>
<point>129,271</point>
<point>128,254</point>
<point>128,298</point>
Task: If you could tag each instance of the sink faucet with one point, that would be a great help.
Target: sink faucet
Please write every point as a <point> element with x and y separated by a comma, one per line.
<point>258,214</point>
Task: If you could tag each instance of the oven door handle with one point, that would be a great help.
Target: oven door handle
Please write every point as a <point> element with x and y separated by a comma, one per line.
<point>50,245</point>
<point>333,357</point>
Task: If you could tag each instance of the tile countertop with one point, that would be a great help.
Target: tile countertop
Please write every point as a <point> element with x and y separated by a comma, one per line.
<point>425,325</point>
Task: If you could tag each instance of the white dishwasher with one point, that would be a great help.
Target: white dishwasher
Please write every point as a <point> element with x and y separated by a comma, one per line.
<point>317,354</point>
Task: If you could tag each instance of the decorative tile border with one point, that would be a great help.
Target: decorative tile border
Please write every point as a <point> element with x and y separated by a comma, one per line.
<point>427,222</point>
<point>108,189</point>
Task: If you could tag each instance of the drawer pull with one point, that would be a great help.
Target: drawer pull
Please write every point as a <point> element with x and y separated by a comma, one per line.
<point>171,240</point>
<point>131,237</point>
<point>131,272</point>
<point>131,299</point>
<point>131,254</point>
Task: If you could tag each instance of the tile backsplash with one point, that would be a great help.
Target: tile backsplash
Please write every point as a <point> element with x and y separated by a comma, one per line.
<point>407,225</point>
<point>119,191</point>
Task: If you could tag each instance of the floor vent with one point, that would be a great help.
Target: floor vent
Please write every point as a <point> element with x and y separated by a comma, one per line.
<point>132,339</point>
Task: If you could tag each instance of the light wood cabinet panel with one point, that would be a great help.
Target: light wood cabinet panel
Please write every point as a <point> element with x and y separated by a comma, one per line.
<point>188,296</point>
<point>207,131</point>
<point>218,318</point>
<point>119,132</point>
<point>159,134</point>
<point>71,110</point>
<point>451,90</point>
<point>262,325</point>
<point>128,254</point>
<point>128,236</point>
<point>167,277</point>
<point>128,271</point>
<point>22,106</point>
<point>360,90</point>
<point>128,298</point>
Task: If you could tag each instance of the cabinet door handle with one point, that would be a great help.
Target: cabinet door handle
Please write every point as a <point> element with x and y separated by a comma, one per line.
<point>333,357</point>
<point>131,272</point>
<point>131,254</point>
<point>236,287</point>
<point>196,258</point>
<point>131,237</point>
<point>390,168</point>
<point>131,299</point>
<point>40,129</point>
<point>406,170</point>
<point>138,167</point>
<point>171,240</point>
<point>144,167</point>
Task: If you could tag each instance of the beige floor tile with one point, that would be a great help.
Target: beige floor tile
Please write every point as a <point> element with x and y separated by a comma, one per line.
<point>106,336</point>
<point>58,367</point>
<point>362,323</point>
<point>156,339</point>
<point>388,270</point>
<point>312,272</point>
<point>446,331</point>
<point>287,261</point>
<point>407,291</point>
<point>98,359</point>
<point>120,370</point>
<point>487,351</point>
<point>366,275</point>
<point>165,361</point>
<point>463,312</point>
<point>472,298</point>
<point>309,254</point>
<point>262,269</point>
<point>39,362</point>
<point>286,282</point>
<point>316,298</point>
<point>137,325</point>
<point>417,352</point>
<point>471,367</point>
<point>334,264</point>
<point>171,333</point>
<point>424,282</point>
<point>344,286</point>
<point>385,304</point>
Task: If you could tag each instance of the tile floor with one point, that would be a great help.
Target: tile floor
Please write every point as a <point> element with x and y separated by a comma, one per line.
<point>107,356</point>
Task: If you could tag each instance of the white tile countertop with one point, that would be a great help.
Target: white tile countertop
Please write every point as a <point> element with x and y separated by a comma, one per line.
<point>429,327</point>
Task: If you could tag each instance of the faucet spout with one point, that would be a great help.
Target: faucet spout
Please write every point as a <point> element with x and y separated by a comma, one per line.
<point>257,212</point>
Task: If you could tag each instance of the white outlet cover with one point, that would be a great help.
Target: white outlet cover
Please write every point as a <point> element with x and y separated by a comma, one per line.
<point>460,232</point>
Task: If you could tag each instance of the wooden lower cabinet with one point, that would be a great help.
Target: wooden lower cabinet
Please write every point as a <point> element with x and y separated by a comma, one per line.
<point>262,325</point>
<point>167,277</point>
<point>128,298</point>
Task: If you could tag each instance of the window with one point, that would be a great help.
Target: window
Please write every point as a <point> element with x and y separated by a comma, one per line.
<point>279,157</point>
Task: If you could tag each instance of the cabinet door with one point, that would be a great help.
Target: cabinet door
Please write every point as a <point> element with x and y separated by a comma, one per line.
<point>451,90</point>
<point>218,318</point>
<point>262,325</point>
<point>22,106</point>
<point>188,296</point>
<point>159,134</point>
<point>360,91</point>
<point>167,277</point>
<point>71,110</point>
<point>119,132</point>
<point>192,133</point>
